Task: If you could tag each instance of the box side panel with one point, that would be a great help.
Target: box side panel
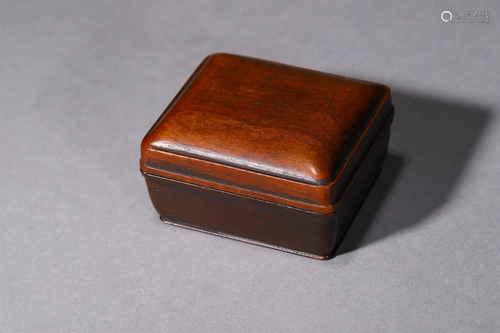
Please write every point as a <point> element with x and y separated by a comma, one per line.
<point>252,220</point>
<point>361,186</point>
<point>358,156</point>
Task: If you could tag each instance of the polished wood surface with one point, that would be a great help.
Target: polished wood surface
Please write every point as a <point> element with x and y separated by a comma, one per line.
<point>266,223</point>
<point>268,131</point>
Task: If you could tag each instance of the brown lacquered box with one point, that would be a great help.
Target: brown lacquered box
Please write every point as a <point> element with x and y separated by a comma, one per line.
<point>267,153</point>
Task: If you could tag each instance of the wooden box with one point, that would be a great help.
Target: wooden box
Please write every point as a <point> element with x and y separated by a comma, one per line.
<point>267,153</point>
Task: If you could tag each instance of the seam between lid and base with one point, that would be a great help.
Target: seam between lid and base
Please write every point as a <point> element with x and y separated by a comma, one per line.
<point>293,203</point>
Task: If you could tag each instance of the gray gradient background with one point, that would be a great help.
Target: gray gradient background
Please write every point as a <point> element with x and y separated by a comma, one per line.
<point>82,249</point>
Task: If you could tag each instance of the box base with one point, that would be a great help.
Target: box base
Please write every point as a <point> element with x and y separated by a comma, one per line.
<point>245,240</point>
<point>254,242</point>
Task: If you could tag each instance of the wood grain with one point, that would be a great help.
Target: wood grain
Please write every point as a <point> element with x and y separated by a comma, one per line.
<point>268,131</point>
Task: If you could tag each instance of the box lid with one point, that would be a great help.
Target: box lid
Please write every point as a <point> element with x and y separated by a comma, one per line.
<point>268,131</point>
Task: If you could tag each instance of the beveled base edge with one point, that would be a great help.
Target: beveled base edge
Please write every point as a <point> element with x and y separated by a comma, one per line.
<point>246,240</point>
